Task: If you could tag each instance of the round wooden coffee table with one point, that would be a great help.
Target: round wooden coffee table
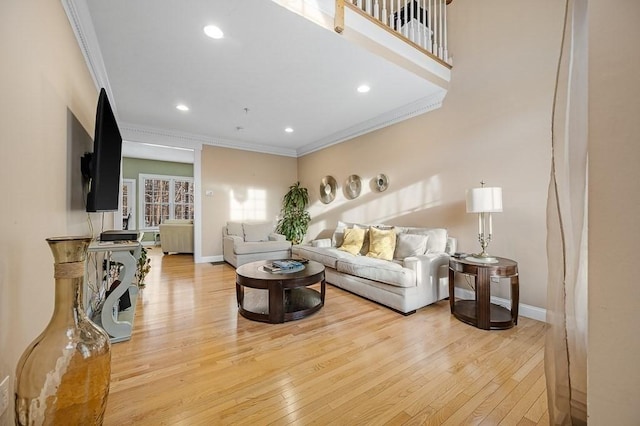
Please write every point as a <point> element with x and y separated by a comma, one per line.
<point>289,296</point>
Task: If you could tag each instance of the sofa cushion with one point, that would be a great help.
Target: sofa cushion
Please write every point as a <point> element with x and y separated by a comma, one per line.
<point>353,239</point>
<point>235,228</point>
<point>408,245</point>
<point>327,256</point>
<point>377,270</point>
<point>338,233</point>
<point>365,243</point>
<point>382,243</point>
<point>277,237</point>
<point>437,242</point>
<point>257,231</point>
<point>324,242</point>
<point>241,247</point>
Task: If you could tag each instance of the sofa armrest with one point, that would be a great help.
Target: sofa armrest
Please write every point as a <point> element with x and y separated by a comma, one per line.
<point>277,237</point>
<point>432,271</point>
<point>231,241</point>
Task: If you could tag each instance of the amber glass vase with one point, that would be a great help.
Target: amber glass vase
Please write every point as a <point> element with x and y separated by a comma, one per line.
<point>63,377</point>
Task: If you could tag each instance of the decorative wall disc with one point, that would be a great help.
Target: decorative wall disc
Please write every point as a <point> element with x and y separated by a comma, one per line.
<point>381,182</point>
<point>352,187</point>
<point>328,186</point>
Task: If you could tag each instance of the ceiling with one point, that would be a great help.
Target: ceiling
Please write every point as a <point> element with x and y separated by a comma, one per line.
<point>273,69</point>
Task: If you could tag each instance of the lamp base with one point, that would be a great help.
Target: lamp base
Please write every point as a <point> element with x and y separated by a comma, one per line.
<point>482,258</point>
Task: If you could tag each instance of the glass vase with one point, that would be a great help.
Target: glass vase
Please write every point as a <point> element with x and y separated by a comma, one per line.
<point>63,376</point>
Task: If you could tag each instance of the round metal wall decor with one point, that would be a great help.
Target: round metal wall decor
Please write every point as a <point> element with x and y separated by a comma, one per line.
<point>381,182</point>
<point>352,187</point>
<point>328,186</point>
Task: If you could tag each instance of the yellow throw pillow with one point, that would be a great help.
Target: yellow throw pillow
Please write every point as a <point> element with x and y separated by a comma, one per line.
<point>382,243</point>
<point>353,239</point>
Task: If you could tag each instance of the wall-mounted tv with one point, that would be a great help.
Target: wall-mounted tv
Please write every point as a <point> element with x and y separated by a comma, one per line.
<point>102,167</point>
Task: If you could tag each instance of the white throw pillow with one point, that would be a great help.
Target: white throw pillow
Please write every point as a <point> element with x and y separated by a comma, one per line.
<point>235,228</point>
<point>437,242</point>
<point>338,234</point>
<point>254,232</point>
<point>408,245</point>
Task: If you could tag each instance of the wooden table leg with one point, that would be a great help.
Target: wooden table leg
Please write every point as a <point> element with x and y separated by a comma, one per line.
<point>483,298</point>
<point>239,294</point>
<point>452,288</point>
<point>515,298</point>
<point>276,302</point>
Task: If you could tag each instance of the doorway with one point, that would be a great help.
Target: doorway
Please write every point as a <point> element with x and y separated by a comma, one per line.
<point>128,204</point>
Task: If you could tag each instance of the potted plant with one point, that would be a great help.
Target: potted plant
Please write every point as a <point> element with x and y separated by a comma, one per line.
<point>144,266</point>
<point>295,218</point>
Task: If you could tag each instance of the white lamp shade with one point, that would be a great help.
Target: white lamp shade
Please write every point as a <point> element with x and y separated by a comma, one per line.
<point>484,200</point>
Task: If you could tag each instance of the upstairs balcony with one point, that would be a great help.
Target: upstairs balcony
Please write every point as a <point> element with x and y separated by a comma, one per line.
<point>410,33</point>
<point>421,23</point>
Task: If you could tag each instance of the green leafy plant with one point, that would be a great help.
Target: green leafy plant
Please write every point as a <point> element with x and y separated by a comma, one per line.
<point>144,266</point>
<point>295,218</point>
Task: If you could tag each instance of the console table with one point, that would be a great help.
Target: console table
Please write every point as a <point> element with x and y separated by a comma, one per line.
<point>119,324</point>
<point>481,312</point>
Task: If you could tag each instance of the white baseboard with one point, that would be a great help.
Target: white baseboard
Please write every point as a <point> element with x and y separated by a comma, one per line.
<point>210,259</point>
<point>528,311</point>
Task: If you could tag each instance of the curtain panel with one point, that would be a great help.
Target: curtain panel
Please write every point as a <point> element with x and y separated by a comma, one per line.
<point>566,340</point>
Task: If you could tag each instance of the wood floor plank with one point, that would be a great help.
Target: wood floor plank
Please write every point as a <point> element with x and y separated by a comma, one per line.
<point>193,360</point>
<point>514,396</point>
<point>537,410</point>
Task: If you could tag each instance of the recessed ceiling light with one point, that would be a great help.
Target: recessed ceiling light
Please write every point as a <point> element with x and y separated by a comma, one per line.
<point>363,88</point>
<point>213,32</point>
<point>288,130</point>
<point>182,107</point>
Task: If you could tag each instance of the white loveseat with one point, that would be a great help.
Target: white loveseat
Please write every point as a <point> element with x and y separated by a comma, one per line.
<point>244,242</point>
<point>417,276</point>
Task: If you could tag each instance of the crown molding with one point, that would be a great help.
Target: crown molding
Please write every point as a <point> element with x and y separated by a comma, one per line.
<point>411,110</point>
<point>134,133</point>
<point>158,152</point>
<point>80,19</point>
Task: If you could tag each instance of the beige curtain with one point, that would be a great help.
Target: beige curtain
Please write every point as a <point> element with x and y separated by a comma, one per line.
<point>566,342</point>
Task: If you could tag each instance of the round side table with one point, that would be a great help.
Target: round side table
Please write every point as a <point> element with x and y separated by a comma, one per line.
<point>481,312</point>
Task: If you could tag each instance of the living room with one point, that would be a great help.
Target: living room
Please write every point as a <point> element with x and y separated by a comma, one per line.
<point>495,125</point>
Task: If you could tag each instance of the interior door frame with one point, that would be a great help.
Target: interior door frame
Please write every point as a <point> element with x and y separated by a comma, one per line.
<point>131,202</point>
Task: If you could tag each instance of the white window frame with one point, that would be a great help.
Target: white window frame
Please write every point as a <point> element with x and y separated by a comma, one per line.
<point>141,193</point>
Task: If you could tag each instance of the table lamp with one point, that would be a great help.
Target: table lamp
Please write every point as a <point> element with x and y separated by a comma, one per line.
<point>484,201</point>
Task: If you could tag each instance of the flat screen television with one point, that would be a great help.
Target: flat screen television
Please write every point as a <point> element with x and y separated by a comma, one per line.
<point>102,167</point>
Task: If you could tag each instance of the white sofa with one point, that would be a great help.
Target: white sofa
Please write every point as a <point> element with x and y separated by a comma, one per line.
<point>244,242</point>
<point>176,236</point>
<point>417,276</point>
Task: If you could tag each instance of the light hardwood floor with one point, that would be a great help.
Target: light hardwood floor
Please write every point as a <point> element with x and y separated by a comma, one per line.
<point>193,360</point>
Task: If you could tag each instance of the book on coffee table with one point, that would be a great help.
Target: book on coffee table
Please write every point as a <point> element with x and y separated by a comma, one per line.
<point>286,264</point>
<point>283,266</point>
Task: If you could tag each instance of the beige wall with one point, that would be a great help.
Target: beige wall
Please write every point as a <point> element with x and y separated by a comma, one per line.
<point>225,171</point>
<point>42,75</point>
<point>500,103</point>
<point>614,208</point>
<point>494,125</point>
